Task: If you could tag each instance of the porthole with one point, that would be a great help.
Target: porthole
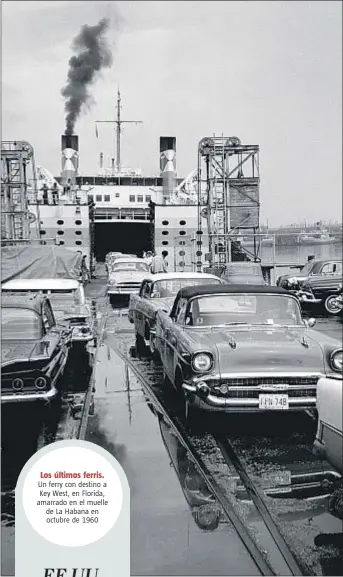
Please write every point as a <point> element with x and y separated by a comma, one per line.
<point>61,242</point>
<point>181,263</point>
<point>78,232</point>
<point>199,232</point>
<point>199,253</point>
<point>182,242</point>
<point>182,232</point>
<point>165,242</point>
<point>165,232</point>
<point>78,242</point>
<point>43,232</point>
<point>199,242</point>
<point>164,253</point>
<point>182,222</point>
<point>60,232</point>
<point>165,222</point>
<point>60,222</point>
<point>78,222</point>
<point>199,263</point>
<point>182,253</point>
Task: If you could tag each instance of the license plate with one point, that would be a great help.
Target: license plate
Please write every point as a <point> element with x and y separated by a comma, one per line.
<point>273,402</point>
<point>277,478</point>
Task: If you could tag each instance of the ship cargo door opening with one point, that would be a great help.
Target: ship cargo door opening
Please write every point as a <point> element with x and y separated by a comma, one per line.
<point>130,238</point>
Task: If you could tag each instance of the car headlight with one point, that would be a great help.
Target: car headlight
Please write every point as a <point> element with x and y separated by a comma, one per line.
<point>336,360</point>
<point>112,281</point>
<point>202,362</point>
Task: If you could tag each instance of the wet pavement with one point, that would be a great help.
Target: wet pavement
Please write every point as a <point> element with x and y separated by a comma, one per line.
<point>178,525</point>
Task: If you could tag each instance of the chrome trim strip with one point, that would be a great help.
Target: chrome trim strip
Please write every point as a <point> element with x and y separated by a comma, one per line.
<point>221,377</point>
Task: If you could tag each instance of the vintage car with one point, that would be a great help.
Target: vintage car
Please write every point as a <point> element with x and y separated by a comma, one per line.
<point>126,276</point>
<point>159,291</point>
<point>294,282</point>
<point>329,438</point>
<point>243,273</point>
<point>67,299</point>
<point>322,289</point>
<point>243,348</point>
<point>112,257</point>
<point>34,349</point>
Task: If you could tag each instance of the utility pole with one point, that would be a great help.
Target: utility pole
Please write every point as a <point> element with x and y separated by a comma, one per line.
<point>118,124</point>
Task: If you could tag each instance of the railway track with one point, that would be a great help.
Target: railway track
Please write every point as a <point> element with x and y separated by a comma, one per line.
<point>261,520</point>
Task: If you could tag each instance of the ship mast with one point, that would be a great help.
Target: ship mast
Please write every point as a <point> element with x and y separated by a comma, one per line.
<point>118,123</point>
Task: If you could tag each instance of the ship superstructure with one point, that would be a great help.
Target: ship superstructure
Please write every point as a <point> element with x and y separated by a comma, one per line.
<point>195,222</point>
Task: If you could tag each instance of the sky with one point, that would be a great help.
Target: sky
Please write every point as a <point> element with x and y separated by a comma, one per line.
<point>267,72</point>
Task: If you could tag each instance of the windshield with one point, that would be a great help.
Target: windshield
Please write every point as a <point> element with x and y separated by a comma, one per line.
<point>170,288</point>
<point>64,299</point>
<point>20,324</point>
<point>251,309</point>
<point>307,268</point>
<point>237,269</point>
<point>129,265</point>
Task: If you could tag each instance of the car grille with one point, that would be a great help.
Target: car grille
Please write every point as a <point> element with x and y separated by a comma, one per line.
<point>248,388</point>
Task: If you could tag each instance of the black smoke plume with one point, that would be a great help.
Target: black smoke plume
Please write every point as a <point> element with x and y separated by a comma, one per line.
<point>92,53</point>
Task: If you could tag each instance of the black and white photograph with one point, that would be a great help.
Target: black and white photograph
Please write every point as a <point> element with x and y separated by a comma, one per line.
<point>171,277</point>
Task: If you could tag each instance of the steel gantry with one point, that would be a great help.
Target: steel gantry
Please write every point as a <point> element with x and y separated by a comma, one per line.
<point>228,197</point>
<point>17,162</point>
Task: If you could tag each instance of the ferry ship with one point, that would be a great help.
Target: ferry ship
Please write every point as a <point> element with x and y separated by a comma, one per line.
<point>122,210</point>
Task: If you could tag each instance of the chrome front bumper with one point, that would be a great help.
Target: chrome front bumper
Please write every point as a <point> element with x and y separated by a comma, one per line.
<point>202,400</point>
<point>86,338</point>
<point>306,297</point>
<point>45,396</point>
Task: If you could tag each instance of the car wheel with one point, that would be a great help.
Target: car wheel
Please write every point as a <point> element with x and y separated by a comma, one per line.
<point>140,345</point>
<point>332,306</point>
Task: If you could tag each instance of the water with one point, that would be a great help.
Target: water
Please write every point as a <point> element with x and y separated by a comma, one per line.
<point>297,254</point>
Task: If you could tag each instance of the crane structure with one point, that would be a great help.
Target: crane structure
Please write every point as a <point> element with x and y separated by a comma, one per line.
<point>228,197</point>
<point>17,162</point>
<point>118,124</point>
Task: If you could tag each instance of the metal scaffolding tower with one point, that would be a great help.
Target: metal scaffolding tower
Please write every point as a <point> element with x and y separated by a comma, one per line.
<point>228,196</point>
<point>17,161</point>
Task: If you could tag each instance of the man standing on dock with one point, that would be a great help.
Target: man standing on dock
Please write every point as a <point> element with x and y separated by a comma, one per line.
<point>158,264</point>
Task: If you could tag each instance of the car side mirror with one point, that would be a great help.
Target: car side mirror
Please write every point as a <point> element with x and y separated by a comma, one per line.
<point>310,322</point>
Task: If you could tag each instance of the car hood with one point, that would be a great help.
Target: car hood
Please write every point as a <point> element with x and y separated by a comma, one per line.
<point>164,304</point>
<point>297,275</point>
<point>244,279</point>
<point>17,351</point>
<point>256,349</point>
<point>71,311</point>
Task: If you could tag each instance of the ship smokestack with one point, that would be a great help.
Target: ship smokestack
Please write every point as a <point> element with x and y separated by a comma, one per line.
<point>168,164</point>
<point>70,158</point>
<point>101,160</point>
